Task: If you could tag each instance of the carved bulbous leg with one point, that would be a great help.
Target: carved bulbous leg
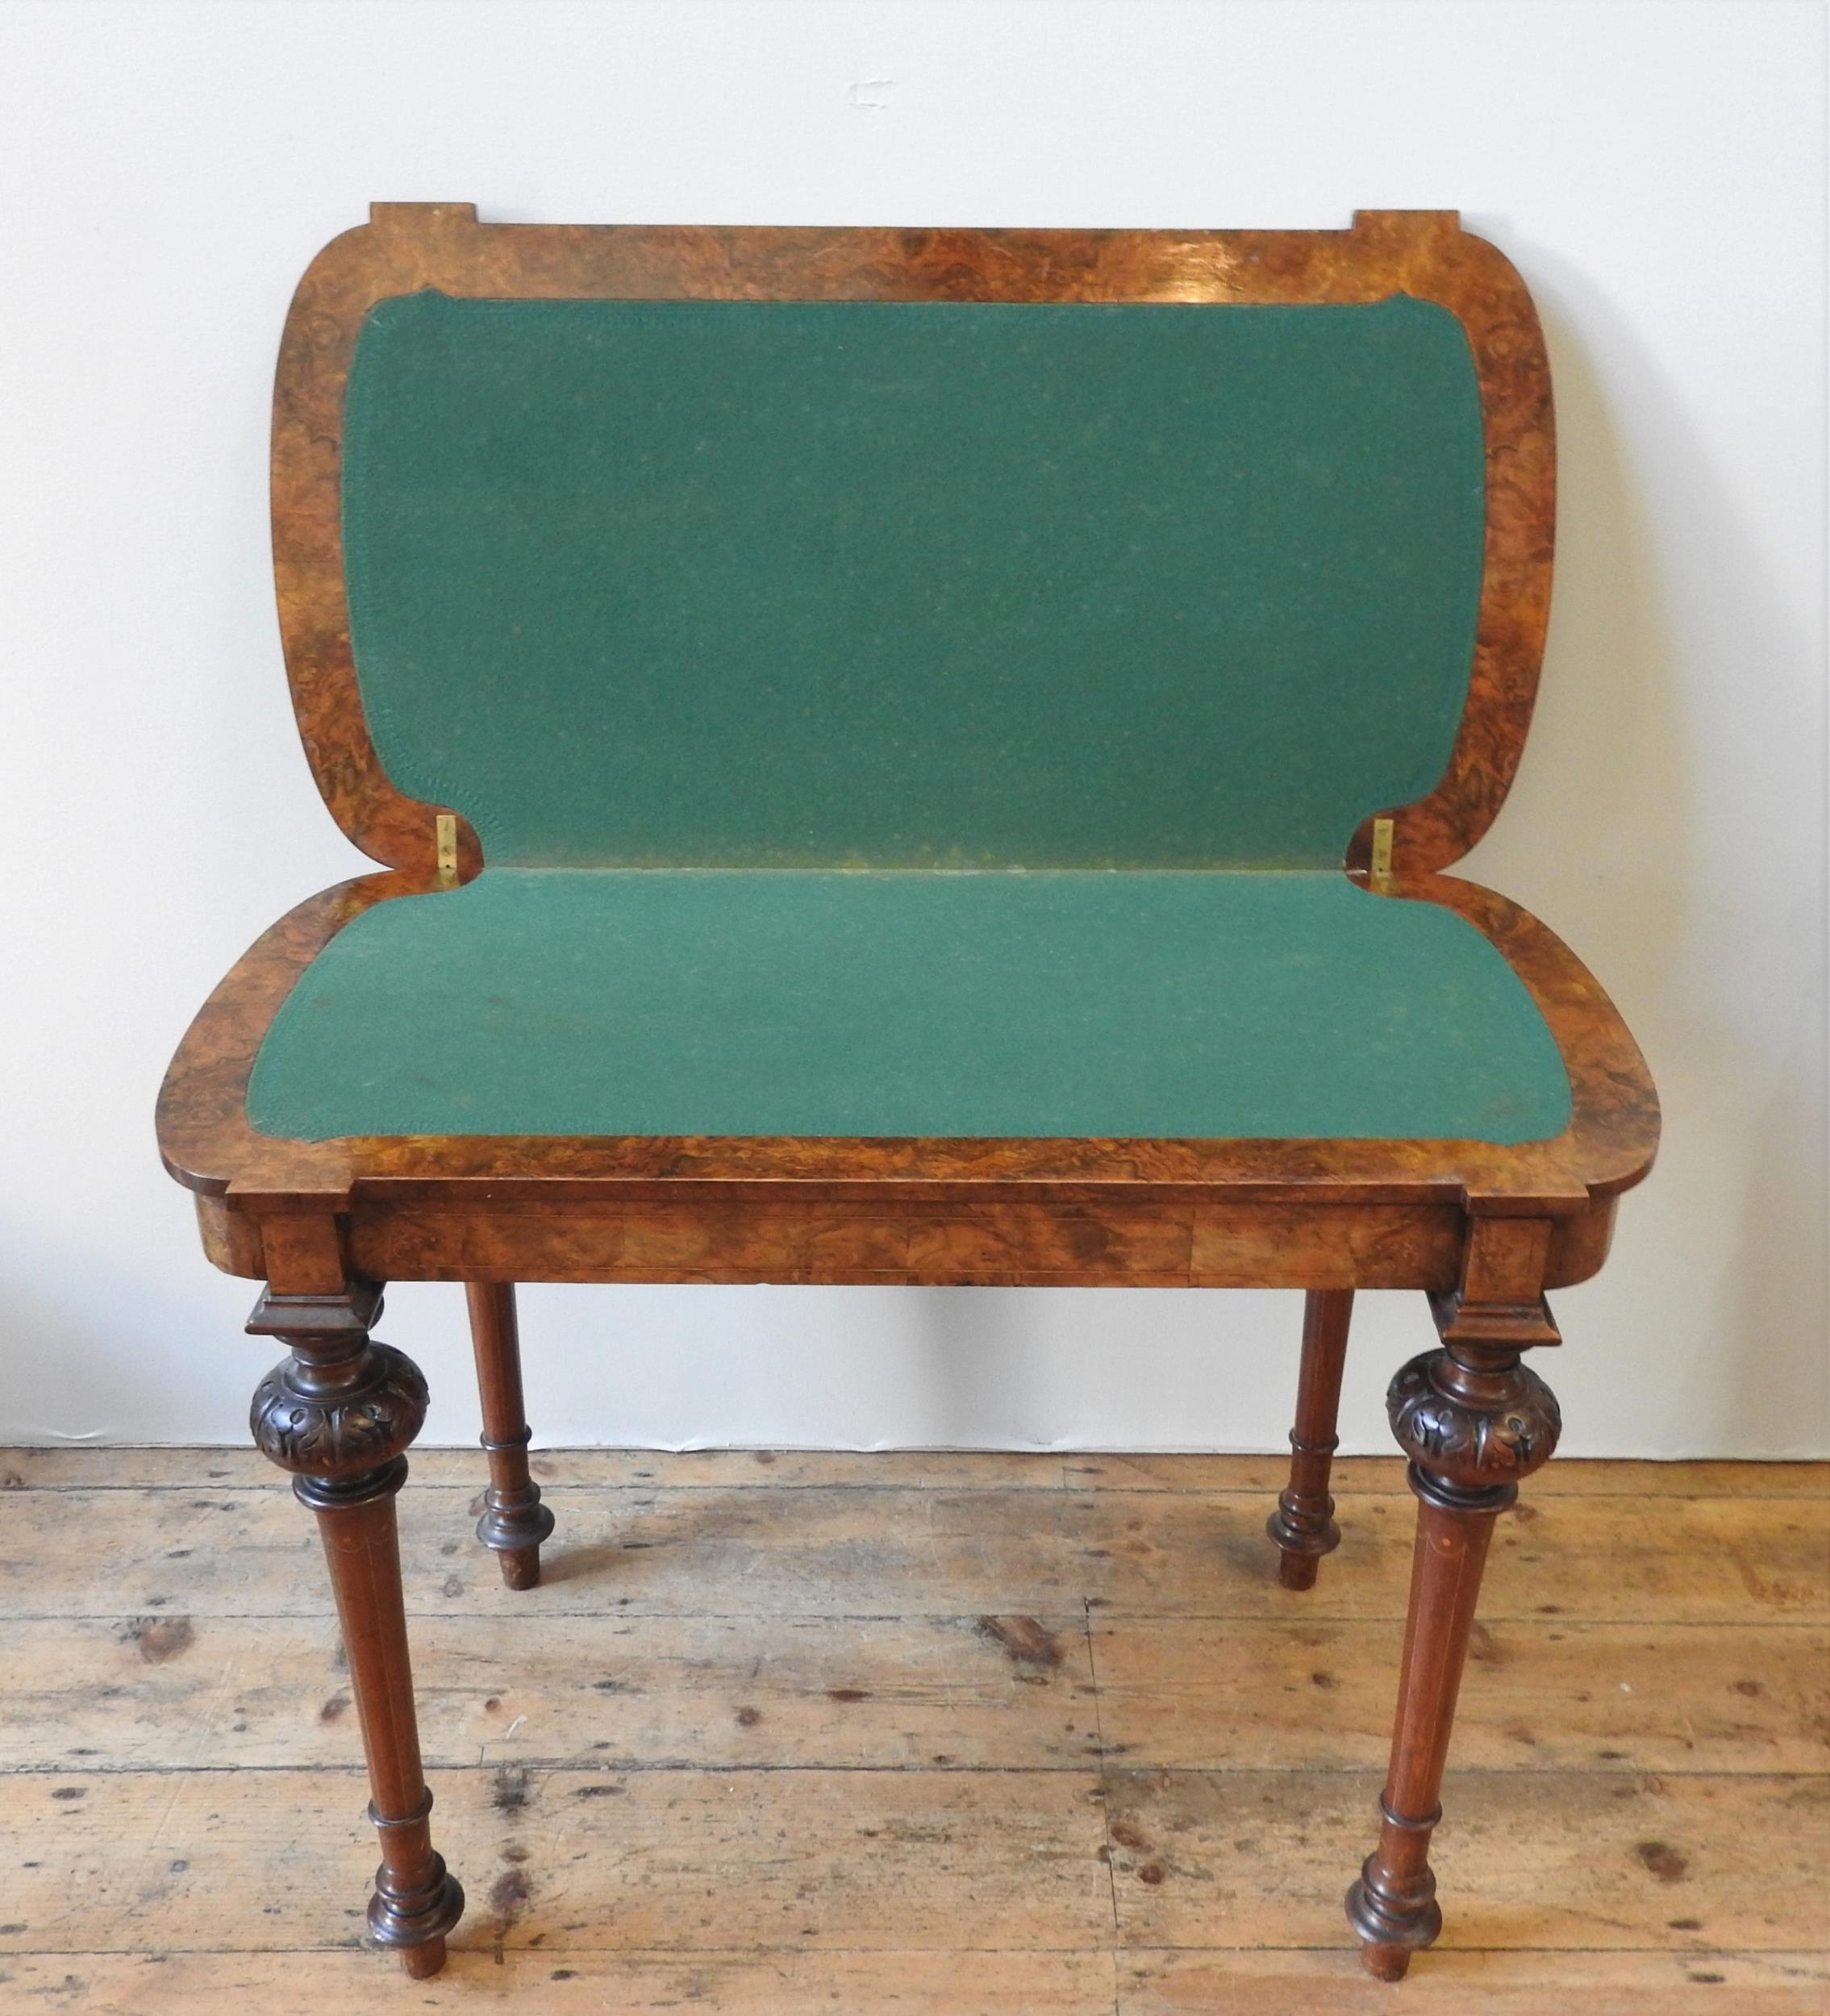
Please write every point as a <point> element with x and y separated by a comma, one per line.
<point>514,1521</point>
<point>1474,1421</point>
<point>1303,1524</point>
<point>340,1414</point>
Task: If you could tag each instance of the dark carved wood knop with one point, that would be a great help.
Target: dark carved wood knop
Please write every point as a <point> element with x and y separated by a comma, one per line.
<point>1478,1420</point>
<point>341,1408</point>
<point>336,1430</point>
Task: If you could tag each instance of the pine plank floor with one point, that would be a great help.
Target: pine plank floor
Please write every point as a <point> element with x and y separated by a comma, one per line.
<point>936,1734</point>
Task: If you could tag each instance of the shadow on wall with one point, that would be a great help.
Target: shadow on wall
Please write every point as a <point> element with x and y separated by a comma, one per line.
<point>1641,871</point>
<point>1078,1368</point>
<point>96,1340</point>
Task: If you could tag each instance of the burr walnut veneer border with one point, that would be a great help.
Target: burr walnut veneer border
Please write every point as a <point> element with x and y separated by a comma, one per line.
<point>1315,1214</point>
<point>409,246</point>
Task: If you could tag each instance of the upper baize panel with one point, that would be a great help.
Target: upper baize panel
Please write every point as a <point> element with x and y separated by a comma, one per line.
<point>791,583</point>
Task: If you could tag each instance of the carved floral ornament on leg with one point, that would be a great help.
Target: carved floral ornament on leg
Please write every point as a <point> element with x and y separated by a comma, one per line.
<point>1476,1417</point>
<point>307,1424</point>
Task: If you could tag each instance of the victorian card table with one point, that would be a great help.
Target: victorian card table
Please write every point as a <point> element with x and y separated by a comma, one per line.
<point>920,756</point>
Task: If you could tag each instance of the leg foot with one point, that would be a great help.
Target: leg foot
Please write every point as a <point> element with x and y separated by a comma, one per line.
<point>1303,1526</point>
<point>1297,1571</point>
<point>417,1900</point>
<point>421,1962</point>
<point>1393,1907</point>
<point>339,1414</point>
<point>520,1566</point>
<point>1386,1963</point>
<point>514,1521</point>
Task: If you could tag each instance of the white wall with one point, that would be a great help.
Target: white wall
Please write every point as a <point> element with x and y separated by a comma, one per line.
<point>167,169</point>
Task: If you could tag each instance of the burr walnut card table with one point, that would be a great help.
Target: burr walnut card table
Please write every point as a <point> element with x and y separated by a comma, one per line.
<point>910,756</point>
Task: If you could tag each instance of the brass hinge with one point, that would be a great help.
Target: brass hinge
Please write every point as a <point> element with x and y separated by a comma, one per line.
<point>1381,874</point>
<point>445,827</point>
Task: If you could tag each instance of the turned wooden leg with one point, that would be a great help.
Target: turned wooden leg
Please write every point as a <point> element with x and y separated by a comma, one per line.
<point>339,1413</point>
<point>1474,1421</point>
<point>514,1521</point>
<point>1303,1524</point>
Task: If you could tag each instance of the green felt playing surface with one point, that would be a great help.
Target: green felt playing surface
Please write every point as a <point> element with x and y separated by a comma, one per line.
<point>987,1004</point>
<point>738,629</point>
<point>837,585</point>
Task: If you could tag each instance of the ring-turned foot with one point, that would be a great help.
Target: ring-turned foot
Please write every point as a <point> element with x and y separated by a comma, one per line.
<point>1304,1525</point>
<point>515,1521</point>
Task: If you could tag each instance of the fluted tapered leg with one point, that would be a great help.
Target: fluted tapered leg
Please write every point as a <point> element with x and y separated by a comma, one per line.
<point>339,1414</point>
<point>1474,1421</point>
<point>1303,1524</point>
<point>514,1521</point>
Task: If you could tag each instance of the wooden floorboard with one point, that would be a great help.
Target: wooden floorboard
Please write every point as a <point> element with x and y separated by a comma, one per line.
<point>160,1467</point>
<point>753,1983</point>
<point>856,1860</point>
<point>934,1733</point>
<point>1558,1861</point>
<point>992,1693</point>
<point>1463,1982</point>
<point>747,1983</point>
<point>834,1552</point>
<point>1540,1695</point>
